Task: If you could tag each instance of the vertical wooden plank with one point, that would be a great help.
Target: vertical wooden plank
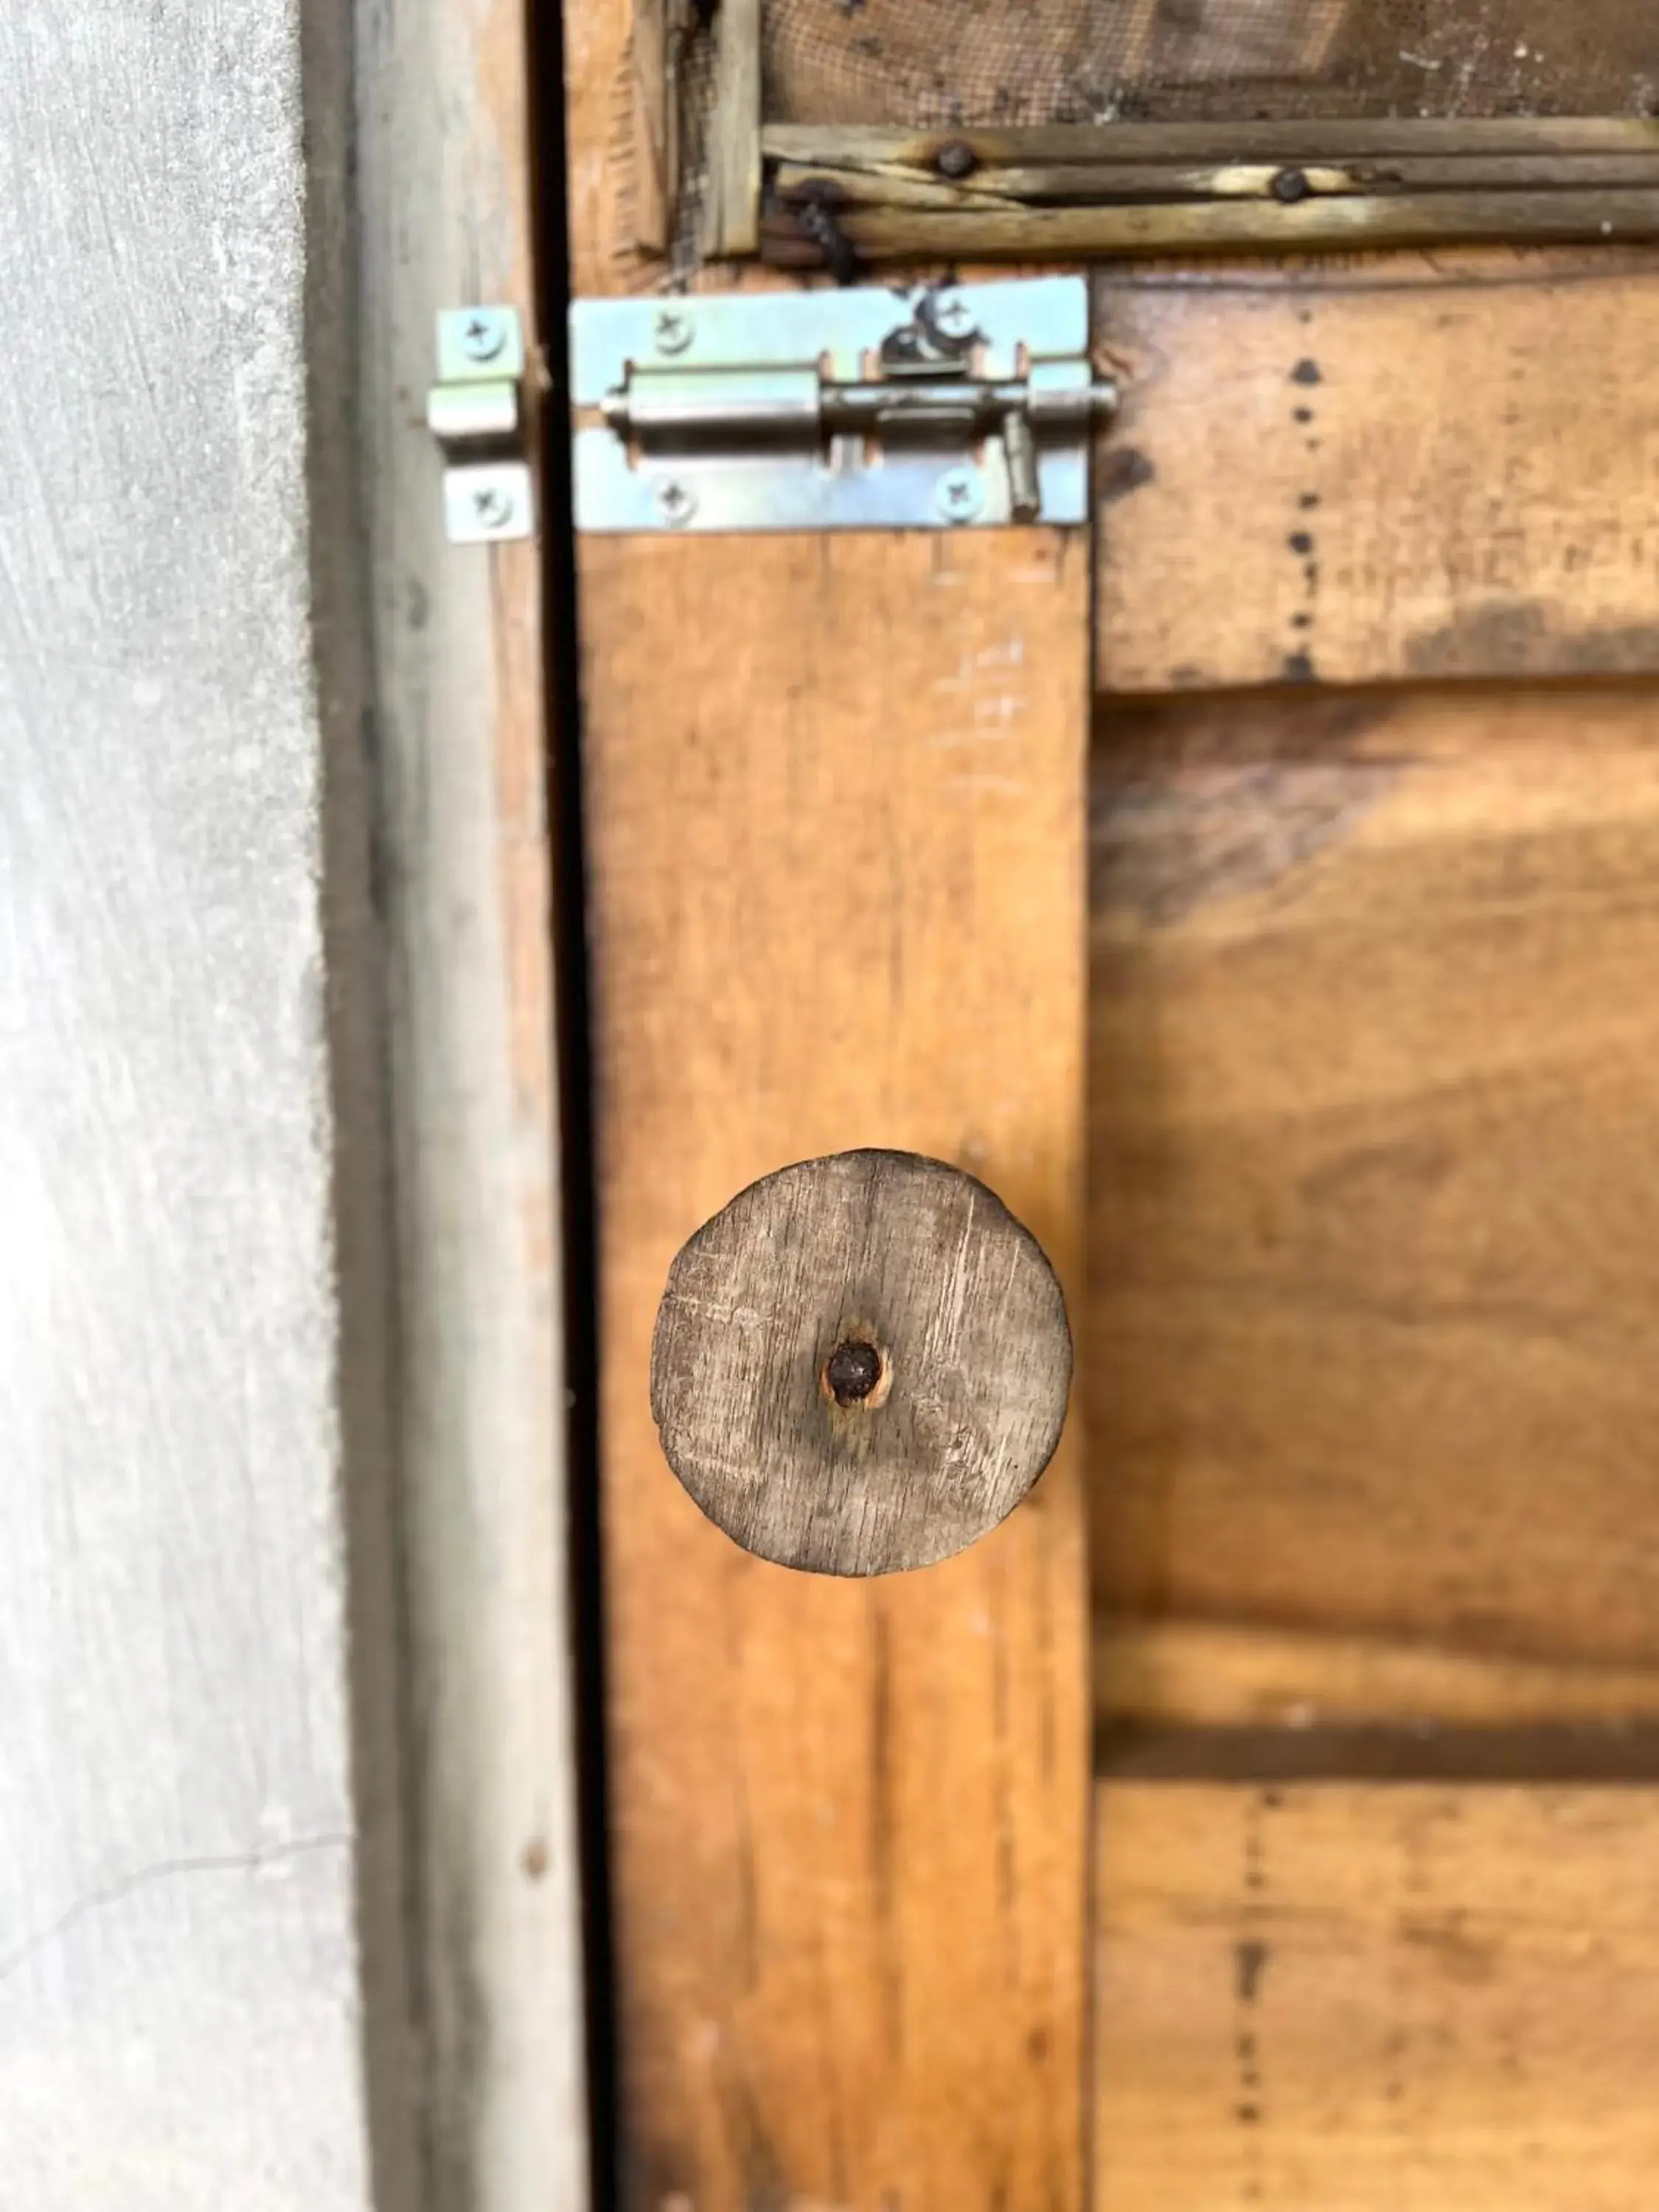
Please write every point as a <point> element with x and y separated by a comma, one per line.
<point>835,792</point>
<point>835,804</point>
<point>459,736</point>
<point>732,209</point>
<point>659,33</point>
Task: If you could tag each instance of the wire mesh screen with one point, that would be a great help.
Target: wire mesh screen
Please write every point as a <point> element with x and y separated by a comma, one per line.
<point>988,62</point>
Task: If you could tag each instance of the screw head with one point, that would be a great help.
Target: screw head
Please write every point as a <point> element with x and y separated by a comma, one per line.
<point>956,158</point>
<point>671,329</point>
<point>493,506</point>
<point>960,494</point>
<point>675,502</point>
<point>484,335</point>
<point>954,315</point>
<point>1290,185</point>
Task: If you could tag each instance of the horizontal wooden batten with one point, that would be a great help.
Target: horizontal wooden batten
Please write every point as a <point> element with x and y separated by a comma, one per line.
<point>1379,468</point>
<point>1131,189</point>
<point>1159,1673</point>
<point>1373,1224</point>
<point>1318,223</point>
<point>1109,183</point>
<point>1339,139</point>
<point>1332,1998</point>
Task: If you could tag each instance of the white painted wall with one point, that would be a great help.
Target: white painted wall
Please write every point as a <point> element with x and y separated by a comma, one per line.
<point>184,1409</point>
<point>289,1891</point>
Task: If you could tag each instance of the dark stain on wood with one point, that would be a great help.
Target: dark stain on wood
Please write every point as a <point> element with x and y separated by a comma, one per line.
<point>1526,637</point>
<point>1121,470</point>
<point>1469,1960</point>
<point>1182,817</point>
<point>1249,1964</point>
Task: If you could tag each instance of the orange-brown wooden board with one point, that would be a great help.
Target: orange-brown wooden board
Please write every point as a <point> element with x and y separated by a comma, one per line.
<point>1373,1209</point>
<point>1347,1998</point>
<point>836,802</point>
<point>835,796</point>
<point>1410,468</point>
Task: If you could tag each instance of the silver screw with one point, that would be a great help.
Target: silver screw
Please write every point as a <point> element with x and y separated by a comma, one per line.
<point>954,317</point>
<point>484,335</point>
<point>961,495</point>
<point>493,506</point>
<point>675,502</point>
<point>671,329</point>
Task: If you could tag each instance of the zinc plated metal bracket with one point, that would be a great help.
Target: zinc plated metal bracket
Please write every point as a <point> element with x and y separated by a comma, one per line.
<point>476,411</point>
<point>949,407</point>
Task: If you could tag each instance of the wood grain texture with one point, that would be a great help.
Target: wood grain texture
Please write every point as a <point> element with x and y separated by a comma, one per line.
<point>1334,1999</point>
<point>459,747</point>
<point>1330,215</point>
<point>861,1365</point>
<point>731,207</point>
<point>1373,1217</point>
<point>1162,1672</point>
<point>192,1323</point>
<point>1082,146</point>
<point>601,181</point>
<point>654,50</point>
<point>835,830</point>
<point>1389,470</point>
<point>894,178</point>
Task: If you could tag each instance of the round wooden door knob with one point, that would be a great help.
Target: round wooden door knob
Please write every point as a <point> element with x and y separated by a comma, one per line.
<point>860,1364</point>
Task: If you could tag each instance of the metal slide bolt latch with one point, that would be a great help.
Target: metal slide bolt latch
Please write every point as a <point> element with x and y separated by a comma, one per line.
<point>966,406</point>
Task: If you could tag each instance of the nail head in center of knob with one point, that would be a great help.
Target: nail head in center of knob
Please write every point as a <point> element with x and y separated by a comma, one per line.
<point>852,1373</point>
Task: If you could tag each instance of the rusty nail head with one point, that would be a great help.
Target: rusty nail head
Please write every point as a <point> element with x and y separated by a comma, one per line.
<point>851,1373</point>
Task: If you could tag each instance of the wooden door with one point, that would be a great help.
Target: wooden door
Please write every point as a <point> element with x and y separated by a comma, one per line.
<point>1256,890</point>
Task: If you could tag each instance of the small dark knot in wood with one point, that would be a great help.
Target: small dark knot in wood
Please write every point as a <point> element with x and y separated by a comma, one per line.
<point>1290,186</point>
<point>860,1364</point>
<point>956,158</point>
<point>851,1373</point>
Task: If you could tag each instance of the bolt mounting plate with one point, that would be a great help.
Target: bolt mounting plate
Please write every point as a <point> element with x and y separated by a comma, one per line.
<point>475,412</point>
<point>712,478</point>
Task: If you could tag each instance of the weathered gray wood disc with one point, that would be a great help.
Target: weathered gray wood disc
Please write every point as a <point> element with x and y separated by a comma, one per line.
<point>860,1364</point>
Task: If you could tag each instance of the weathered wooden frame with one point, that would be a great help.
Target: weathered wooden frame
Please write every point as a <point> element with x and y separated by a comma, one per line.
<point>1191,187</point>
<point>805,195</point>
<point>458,749</point>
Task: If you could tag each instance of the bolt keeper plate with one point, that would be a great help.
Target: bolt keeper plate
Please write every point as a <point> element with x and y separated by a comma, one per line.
<point>475,412</point>
<point>712,422</point>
